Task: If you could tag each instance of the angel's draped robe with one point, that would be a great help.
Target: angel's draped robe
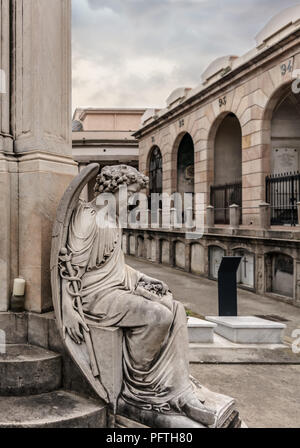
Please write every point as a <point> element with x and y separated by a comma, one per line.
<point>155,364</point>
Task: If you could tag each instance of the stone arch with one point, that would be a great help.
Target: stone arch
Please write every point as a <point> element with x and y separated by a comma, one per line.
<point>279,93</point>
<point>184,138</point>
<point>155,169</point>
<point>279,274</point>
<point>225,165</point>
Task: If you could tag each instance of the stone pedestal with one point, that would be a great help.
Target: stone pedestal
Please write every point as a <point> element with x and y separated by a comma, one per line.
<point>248,329</point>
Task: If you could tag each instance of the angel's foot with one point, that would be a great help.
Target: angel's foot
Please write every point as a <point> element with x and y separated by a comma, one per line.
<point>195,410</point>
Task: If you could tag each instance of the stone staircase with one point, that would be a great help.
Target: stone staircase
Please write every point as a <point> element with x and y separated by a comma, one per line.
<point>32,391</point>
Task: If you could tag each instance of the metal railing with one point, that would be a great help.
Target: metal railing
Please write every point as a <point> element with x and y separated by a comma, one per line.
<point>283,193</point>
<point>222,197</point>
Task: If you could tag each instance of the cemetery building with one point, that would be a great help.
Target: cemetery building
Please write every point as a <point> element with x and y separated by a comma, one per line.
<point>235,138</point>
<point>105,136</point>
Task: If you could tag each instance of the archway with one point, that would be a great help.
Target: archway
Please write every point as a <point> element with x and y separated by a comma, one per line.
<point>227,172</point>
<point>186,165</point>
<point>282,185</point>
<point>155,171</point>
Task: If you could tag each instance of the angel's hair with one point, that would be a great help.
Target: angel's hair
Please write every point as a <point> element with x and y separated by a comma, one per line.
<point>111,177</point>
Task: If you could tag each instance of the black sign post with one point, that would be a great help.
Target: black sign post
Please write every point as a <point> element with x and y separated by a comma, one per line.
<point>228,286</point>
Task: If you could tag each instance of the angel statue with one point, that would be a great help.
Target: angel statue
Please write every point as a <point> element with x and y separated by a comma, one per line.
<point>94,282</point>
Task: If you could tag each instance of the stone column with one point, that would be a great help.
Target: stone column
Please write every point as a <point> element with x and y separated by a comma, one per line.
<point>8,168</point>
<point>264,215</point>
<point>41,125</point>
<point>210,216</point>
<point>234,212</point>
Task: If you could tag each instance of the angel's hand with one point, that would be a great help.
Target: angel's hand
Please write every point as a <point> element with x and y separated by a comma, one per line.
<point>154,281</point>
<point>73,324</point>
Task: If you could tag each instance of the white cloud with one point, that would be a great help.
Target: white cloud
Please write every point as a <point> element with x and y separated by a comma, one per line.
<point>133,53</point>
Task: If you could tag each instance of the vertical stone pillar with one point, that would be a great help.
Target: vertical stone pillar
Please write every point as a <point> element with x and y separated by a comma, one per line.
<point>210,216</point>
<point>234,213</point>
<point>8,167</point>
<point>41,126</point>
<point>264,215</point>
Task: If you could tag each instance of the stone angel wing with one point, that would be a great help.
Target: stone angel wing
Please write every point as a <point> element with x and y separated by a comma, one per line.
<point>61,268</point>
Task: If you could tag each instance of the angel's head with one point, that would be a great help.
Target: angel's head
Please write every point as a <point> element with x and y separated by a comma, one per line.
<point>113,177</point>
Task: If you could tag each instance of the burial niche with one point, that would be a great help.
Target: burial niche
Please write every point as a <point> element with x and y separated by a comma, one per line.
<point>180,255</point>
<point>280,270</point>
<point>245,274</point>
<point>197,259</point>
<point>140,248</point>
<point>215,257</point>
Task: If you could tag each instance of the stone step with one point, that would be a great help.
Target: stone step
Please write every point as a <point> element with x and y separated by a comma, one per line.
<point>29,370</point>
<point>59,409</point>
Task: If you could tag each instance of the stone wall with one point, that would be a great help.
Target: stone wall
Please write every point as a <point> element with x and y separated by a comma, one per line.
<point>202,257</point>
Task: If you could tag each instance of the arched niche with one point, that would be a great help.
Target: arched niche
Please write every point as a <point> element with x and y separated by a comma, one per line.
<point>165,251</point>
<point>226,187</point>
<point>285,134</point>
<point>132,247</point>
<point>197,259</point>
<point>280,274</point>
<point>246,271</point>
<point>140,247</point>
<point>180,254</point>
<point>186,165</point>
<point>228,151</point>
<point>216,254</point>
<point>155,171</point>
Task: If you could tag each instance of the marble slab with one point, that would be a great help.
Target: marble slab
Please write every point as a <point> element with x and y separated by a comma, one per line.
<point>200,330</point>
<point>248,329</point>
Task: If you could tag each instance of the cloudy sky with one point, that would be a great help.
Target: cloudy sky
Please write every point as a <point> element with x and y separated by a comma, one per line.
<point>133,53</point>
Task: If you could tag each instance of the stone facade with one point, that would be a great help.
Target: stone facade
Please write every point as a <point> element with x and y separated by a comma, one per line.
<point>239,98</point>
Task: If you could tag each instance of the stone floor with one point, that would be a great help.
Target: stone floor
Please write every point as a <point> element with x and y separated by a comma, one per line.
<point>268,396</point>
<point>201,295</point>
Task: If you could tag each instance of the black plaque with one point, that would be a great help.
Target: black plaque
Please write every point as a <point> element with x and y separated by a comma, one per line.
<point>228,286</point>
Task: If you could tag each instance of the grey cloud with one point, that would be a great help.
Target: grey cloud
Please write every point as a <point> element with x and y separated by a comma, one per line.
<point>134,52</point>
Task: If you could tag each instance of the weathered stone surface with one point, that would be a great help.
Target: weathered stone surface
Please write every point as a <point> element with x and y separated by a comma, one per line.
<point>52,410</point>
<point>15,327</point>
<point>109,359</point>
<point>28,370</point>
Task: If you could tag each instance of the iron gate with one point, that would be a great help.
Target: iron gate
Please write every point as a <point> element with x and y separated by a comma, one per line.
<point>283,193</point>
<point>222,196</point>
